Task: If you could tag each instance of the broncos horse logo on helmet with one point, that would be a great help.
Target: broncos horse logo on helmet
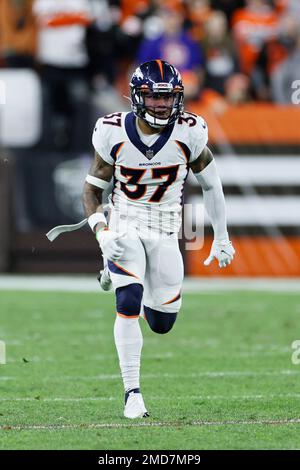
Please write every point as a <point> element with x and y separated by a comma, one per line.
<point>158,78</point>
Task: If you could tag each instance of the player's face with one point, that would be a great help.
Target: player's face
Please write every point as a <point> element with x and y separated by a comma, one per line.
<point>159,104</point>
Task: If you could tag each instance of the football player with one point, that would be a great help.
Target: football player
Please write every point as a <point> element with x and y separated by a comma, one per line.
<point>147,154</point>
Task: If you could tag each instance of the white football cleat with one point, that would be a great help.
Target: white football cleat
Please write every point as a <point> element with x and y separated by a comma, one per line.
<point>104,279</point>
<point>134,405</point>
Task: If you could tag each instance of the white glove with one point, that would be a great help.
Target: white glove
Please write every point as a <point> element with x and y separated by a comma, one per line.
<point>223,251</point>
<point>108,242</point>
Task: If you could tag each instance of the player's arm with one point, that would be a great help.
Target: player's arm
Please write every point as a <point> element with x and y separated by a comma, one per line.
<point>206,173</point>
<point>97,180</point>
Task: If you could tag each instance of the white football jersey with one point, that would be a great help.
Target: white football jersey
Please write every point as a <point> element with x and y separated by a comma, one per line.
<point>149,181</point>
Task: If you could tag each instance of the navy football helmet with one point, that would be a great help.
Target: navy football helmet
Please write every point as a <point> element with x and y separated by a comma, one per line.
<point>161,79</point>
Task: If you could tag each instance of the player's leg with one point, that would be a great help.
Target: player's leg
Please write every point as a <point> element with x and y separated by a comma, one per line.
<point>127,276</point>
<point>163,283</point>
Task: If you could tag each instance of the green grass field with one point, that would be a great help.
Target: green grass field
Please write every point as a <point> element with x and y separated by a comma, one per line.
<point>221,379</point>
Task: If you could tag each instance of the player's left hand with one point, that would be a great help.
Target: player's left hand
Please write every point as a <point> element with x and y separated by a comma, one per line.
<point>109,243</point>
<point>223,251</point>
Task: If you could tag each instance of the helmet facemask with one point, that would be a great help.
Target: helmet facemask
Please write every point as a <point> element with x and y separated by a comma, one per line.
<point>148,113</point>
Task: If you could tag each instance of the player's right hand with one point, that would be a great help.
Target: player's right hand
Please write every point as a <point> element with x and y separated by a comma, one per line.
<point>108,242</point>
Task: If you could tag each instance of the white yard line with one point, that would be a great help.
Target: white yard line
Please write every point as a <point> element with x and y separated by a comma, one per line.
<point>78,283</point>
<point>145,424</point>
<point>193,375</point>
<point>209,374</point>
<point>155,398</point>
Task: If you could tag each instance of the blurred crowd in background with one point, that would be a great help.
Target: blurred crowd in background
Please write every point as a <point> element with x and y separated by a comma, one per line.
<point>227,51</point>
<point>209,41</point>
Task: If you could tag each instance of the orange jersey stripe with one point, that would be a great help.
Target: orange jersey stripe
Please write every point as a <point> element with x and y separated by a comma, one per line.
<point>181,148</point>
<point>67,19</point>
<point>119,149</point>
<point>173,300</point>
<point>125,270</point>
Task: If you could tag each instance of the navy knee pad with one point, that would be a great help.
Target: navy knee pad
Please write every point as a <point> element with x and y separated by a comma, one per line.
<point>129,299</point>
<point>159,322</point>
